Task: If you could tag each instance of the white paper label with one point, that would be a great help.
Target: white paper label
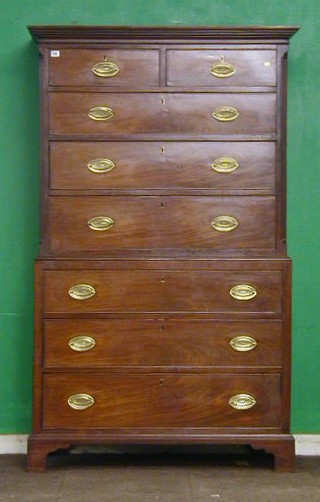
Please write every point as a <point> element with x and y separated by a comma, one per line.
<point>55,54</point>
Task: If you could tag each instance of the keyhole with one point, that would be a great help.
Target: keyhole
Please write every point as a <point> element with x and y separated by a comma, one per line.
<point>162,280</point>
<point>161,204</point>
<point>104,58</point>
<point>161,381</point>
<point>163,149</point>
<point>162,326</point>
<point>163,101</point>
<point>222,58</point>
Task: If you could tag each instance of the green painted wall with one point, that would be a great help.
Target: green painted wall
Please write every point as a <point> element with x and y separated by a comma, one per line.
<point>19,174</point>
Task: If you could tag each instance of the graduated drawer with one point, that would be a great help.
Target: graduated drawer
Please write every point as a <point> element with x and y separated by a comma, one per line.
<point>108,343</point>
<point>135,291</point>
<point>159,400</point>
<point>211,68</point>
<point>144,165</point>
<point>160,222</point>
<point>148,113</point>
<point>107,67</point>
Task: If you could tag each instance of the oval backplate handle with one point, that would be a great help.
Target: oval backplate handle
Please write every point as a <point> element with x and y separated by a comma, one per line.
<point>105,69</point>
<point>81,291</point>
<point>243,292</point>
<point>222,69</point>
<point>224,165</point>
<point>100,223</point>
<point>100,113</point>
<point>100,166</point>
<point>243,343</point>
<point>242,402</point>
<point>80,401</point>
<point>225,113</point>
<point>224,223</point>
<point>82,343</point>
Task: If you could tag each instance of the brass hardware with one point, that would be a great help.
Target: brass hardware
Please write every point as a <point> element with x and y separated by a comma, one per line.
<point>222,69</point>
<point>243,292</point>
<point>163,149</point>
<point>105,68</point>
<point>163,101</point>
<point>224,223</point>
<point>225,113</point>
<point>243,343</point>
<point>82,343</point>
<point>100,166</point>
<point>162,280</point>
<point>242,402</point>
<point>267,63</point>
<point>224,165</point>
<point>80,401</point>
<point>100,223</point>
<point>82,291</point>
<point>100,113</point>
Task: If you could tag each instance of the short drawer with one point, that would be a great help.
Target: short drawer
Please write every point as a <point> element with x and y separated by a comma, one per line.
<point>167,164</point>
<point>112,343</point>
<point>213,68</point>
<point>160,400</point>
<point>134,291</point>
<point>154,113</point>
<point>107,67</point>
<point>160,222</point>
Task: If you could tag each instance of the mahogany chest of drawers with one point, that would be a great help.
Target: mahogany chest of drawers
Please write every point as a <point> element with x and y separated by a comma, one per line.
<point>162,288</point>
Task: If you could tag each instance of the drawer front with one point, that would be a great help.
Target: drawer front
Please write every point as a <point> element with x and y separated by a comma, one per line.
<point>133,343</point>
<point>162,291</point>
<point>108,67</point>
<point>161,222</point>
<point>211,68</point>
<point>161,113</point>
<point>160,400</point>
<point>151,165</point>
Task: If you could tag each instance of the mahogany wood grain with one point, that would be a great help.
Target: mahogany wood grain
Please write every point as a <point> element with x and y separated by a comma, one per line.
<point>160,222</point>
<point>166,164</point>
<point>169,343</point>
<point>192,67</point>
<point>179,113</point>
<point>74,67</point>
<point>160,400</point>
<point>162,291</point>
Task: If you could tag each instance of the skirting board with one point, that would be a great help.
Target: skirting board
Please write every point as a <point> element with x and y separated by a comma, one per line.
<point>306,444</point>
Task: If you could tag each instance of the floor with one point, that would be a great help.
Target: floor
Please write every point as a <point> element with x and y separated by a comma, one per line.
<point>163,477</point>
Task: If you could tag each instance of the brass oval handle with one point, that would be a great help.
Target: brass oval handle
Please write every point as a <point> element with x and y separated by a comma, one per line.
<point>100,113</point>
<point>82,343</point>
<point>80,401</point>
<point>81,291</point>
<point>243,292</point>
<point>225,113</point>
<point>243,343</point>
<point>242,402</point>
<point>100,223</point>
<point>224,223</point>
<point>222,69</point>
<point>224,165</point>
<point>105,68</point>
<point>100,166</point>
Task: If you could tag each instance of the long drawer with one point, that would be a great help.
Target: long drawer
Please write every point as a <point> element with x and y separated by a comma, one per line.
<point>101,223</point>
<point>177,113</point>
<point>135,291</point>
<point>160,400</point>
<point>168,164</point>
<point>107,67</point>
<point>109,343</point>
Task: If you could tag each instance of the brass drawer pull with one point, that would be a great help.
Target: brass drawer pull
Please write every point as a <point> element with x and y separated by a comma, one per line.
<point>80,401</point>
<point>242,402</point>
<point>100,223</point>
<point>100,166</point>
<point>222,69</point>
<point>243,343</point>
<point>82,291</point>
<point>224,165</point>
<point>243,292</point>
<point>224,223</point>
<point>100,113</point>
<point>82,343</point>
<point>225,113</point>
<point>105,68</point>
